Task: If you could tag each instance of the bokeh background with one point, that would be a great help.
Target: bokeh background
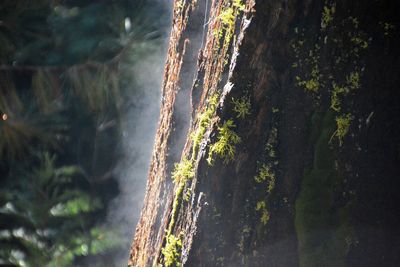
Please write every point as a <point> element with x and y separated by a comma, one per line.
<point>79,100</point>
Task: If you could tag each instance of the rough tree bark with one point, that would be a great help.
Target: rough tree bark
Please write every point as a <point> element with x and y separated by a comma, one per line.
<point>284,118</point>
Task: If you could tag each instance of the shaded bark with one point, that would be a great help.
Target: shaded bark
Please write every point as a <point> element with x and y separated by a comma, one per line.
<point>321,79</point>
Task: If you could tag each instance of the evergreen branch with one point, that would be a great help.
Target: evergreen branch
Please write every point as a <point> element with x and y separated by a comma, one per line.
<point>89,63</point>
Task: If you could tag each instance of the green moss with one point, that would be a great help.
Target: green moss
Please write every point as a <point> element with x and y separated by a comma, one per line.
<point>262,208</point>
<point>238,4</point>
<point>387,28</point>
<point>336,93</point>
<point>225,147</point>
<point>229,13</point>
<point>271,143</point>
<point>358,41</point>
<point>327,15</point>
<point>266,174</point>
<point>335,102</point>
<point>183,171</point>
<point>315,77</point>
<point>322,228</point>
<point>175,205</point>
<point>228,17</point>
<point>340,92</point>
<point>187,194</point>
<point>342,127</point>
<point>353,80</point>
<point>310,85</point>
<point>172,251</point>
<point>204,123</point>
<point>241,106</point>
<point>244,235</point>
<point>311,76</point>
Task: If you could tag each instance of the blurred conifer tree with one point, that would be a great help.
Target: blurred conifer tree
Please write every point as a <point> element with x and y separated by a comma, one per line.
<point>63,66</point>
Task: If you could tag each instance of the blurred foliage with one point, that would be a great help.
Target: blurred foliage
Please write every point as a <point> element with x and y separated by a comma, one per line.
<point>46,215</point>
<point>65,81</point>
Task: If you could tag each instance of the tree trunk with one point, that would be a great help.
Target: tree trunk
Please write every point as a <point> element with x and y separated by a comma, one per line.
<point>278,140</point>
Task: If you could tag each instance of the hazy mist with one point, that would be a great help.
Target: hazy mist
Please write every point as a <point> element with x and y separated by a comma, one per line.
<point>139,128</point>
